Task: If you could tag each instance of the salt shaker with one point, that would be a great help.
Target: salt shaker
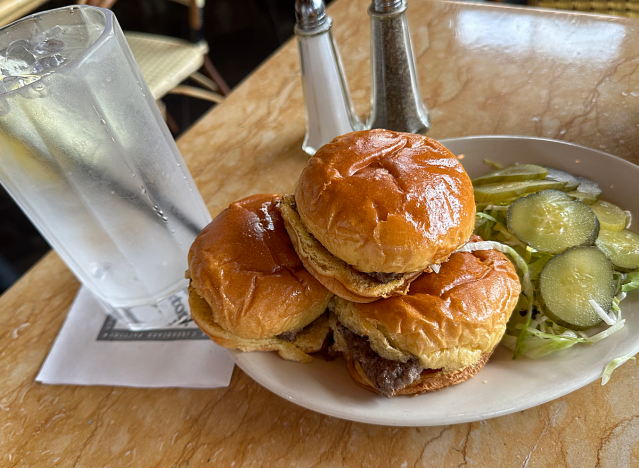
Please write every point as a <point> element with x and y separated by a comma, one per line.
<point>396,103</point>
<point>329,110</point>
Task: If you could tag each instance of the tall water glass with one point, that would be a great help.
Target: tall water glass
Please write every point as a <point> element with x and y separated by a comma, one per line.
<point>86,154</point>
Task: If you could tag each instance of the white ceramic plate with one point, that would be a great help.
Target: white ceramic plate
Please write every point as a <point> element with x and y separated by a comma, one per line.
<point>503,386</point>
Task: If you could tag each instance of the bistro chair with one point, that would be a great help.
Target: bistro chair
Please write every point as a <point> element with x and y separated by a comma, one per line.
<point>627,8</point>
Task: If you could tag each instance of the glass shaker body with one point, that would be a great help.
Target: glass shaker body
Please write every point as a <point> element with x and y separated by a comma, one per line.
<point>396,102</point>
<point>327,102</point>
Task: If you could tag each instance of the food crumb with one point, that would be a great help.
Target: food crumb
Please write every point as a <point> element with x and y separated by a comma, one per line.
<point>485,381</point>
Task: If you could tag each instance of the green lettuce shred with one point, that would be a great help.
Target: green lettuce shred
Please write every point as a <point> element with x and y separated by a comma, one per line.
<point>538,265</point>
<point>607,332</point>
<point>536,345</point>
<point>492,163</point>
<point>605,377</point>
<point>485,216</point>
<point>631,282</point>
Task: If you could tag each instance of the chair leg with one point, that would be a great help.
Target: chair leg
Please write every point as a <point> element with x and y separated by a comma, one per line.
<point>197,93</point>
<point>215,76</point>
<point>170,121</point>
<point>172,124</point>
<point>162,107</point>
<point>205,81</point>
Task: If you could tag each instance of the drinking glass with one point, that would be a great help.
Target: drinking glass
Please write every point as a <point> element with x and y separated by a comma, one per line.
<point>85,153</point>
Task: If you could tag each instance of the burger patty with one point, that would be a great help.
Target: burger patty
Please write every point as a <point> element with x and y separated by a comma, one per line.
<point>287,336</point>
<point>387,375</point>
<point>384,277</point>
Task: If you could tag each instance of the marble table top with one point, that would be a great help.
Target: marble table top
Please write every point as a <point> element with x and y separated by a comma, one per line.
<point>483,69</point>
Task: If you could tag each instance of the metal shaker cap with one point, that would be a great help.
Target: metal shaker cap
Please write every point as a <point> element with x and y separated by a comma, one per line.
<point>387,6</point>
<point>310,15</point>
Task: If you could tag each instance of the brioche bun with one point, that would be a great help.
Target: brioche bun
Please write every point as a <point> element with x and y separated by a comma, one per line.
<point>309,340</point>
<point>247,284</point>
<point>335,274</point>
<point>450,321</point>
<point>385,201</point>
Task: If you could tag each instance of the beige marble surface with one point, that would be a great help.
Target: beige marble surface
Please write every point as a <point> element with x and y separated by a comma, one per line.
<point>483,70</point>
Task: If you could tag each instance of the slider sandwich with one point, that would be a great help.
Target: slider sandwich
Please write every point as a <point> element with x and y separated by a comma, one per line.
<point>440,334</point>
<point>374,209</point>
<point>249,290</point>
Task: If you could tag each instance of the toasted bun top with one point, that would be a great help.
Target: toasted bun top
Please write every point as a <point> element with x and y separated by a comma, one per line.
<point>448,319</point>
<point>244,266</point>
<point>386,201</point>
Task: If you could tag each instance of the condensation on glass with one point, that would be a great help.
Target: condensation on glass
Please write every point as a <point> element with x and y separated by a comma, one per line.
<point>88,157</point>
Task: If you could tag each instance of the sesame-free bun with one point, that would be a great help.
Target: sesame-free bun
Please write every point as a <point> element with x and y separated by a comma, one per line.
<point>450,321</point>
<point>309,340</point>
<point>335,274</point>
<point>247,284</point>
<point>385,201</point>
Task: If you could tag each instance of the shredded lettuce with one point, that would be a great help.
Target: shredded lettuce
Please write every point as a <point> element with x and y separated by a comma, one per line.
<point>631,282</point>
<point>486,216</point>
<point>506,233</point>
<point>607,332</point>
<point>619,279</point>
<point>566,335</point>
<point>522,338</point>
<point>605,377</point>
<point>539,344</point>
<point>535,268</point>
<point>615,306</point>
<point>602,313</point>
<point>492,163</point>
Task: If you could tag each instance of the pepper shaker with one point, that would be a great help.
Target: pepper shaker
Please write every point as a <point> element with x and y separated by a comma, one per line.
<point>396,103</point>
<point>329,110</point>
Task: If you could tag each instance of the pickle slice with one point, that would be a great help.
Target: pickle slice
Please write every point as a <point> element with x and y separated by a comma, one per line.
<point>514,173</point>
<point>569,280</point>
<point>584,197</point>
<point>622,247</point>
<point>498,192</point>
<point>611,217</point>
<point>587,192</point>
<point>551,221</point>
<point>560,176</point>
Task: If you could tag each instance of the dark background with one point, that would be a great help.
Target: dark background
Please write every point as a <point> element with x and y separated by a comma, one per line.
<point>241,34</point>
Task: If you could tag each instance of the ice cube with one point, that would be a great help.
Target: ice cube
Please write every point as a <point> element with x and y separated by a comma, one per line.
<point>9,83</point>
<point>19,60</point>
<point>49,63</point>
<point>49,47</point>
<point>66,43</point>
<point>50,33</point>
